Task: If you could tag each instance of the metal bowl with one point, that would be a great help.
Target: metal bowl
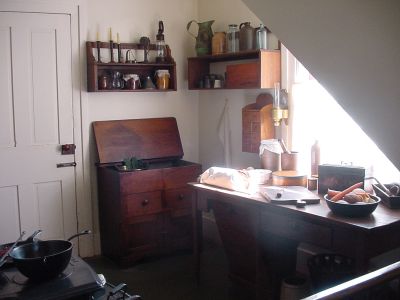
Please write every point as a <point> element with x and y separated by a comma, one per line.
<point>352,210</point>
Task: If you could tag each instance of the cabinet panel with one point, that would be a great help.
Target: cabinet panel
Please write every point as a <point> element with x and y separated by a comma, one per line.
<point>143,237</point>
<point>178,177</point>
<point>142,204</point>
<point>141,181</point>
<point>179,232</point>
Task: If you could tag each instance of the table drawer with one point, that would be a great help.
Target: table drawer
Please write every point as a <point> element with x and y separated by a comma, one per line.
<point>142,204</point>
<point>296,229</point>
<point>235,218</point>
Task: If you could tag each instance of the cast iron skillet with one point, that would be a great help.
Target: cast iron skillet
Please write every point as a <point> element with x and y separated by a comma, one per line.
<point>43,259</point>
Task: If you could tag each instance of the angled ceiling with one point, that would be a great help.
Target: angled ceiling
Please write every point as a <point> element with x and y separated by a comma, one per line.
<point>353,49</point>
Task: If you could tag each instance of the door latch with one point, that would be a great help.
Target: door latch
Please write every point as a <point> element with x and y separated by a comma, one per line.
<point>67,149</point>
<point>69,164</point>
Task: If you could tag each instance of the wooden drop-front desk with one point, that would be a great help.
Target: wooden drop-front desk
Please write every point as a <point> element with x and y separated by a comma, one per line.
<point>260,239</point>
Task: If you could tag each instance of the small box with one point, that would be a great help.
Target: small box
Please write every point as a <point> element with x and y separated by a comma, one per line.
<point>338,177</point>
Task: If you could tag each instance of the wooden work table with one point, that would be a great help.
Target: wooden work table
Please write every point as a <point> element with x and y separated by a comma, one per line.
<point>261,238</point>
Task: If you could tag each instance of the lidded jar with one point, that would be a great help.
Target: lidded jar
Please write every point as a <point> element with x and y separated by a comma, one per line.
<point>232,38</point>
<point>261,37</point>
<point>162,79</point>
<point>218,43</point>
<point>246,37</point>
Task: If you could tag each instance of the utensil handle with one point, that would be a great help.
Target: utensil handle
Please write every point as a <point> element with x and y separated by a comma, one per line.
<point>188,26</point>
<point>3,258</point>
<point>80,233</point>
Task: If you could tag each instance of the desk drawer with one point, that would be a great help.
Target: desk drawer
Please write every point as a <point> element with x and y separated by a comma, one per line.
<point>178,198</point>
<point>142,204</point>
<point>296,229</point>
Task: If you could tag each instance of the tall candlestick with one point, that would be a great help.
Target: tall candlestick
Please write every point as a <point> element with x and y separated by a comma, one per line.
<point>111,34</point>
<point>118,37</point>
<point>97,36</point>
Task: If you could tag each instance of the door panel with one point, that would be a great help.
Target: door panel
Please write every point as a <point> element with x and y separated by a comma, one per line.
<point>9,214</point>
<point>7,133</point>
<point>36,117</point>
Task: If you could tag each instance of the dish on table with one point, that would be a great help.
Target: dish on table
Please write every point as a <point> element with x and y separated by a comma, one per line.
<point>356,209</point>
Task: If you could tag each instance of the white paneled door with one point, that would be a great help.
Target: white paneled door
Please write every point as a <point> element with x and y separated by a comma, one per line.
<point>36,118</point>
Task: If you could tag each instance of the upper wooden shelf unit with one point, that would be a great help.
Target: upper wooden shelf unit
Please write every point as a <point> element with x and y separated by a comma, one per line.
<point>261,69</point>
<point>96,69</point>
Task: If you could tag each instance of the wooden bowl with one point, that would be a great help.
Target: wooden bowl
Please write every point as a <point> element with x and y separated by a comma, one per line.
<point>355,210</point>
<point>289,178</point>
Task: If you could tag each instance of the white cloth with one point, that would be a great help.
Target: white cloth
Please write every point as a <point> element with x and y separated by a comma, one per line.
<point>227,178</point>
<point>224,134</point>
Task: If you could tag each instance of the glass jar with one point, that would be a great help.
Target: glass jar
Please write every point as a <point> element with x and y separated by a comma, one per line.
<point>218,43</point>
<point>162,77</point>
<point>232,38</point>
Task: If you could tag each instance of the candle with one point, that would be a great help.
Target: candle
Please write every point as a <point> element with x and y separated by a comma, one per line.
<point>111,34</point>
<point>97,36</point>
<point>117,37</point>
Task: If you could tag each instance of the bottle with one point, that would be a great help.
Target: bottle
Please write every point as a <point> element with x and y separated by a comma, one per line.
<point>232,38</point>
<point>315,158</point>
<point>261,37</point>
<point>160,43</point>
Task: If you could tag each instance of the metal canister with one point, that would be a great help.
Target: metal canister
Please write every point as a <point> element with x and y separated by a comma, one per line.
<point>261,37</point>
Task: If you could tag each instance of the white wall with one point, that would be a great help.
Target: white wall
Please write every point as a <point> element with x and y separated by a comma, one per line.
<point>353,49</point>
<point>133,19</point>
<point>211,103</point>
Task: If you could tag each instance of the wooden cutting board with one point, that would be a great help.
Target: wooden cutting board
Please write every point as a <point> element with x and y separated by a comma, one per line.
<point>289,194</point>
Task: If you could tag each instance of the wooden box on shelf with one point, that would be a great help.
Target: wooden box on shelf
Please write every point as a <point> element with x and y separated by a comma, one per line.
<point>257,123</point>
<point>96,69</point>
<point>259,69</point>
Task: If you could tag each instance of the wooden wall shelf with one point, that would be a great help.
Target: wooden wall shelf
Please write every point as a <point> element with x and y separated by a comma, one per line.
<point>260,69</point>
<point>96,69</point>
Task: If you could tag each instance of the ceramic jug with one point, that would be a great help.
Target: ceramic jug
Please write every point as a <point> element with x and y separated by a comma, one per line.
<point>246,36</point>
<point>203,38</point>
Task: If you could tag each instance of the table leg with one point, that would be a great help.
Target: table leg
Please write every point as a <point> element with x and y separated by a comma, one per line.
<point>196,232</point>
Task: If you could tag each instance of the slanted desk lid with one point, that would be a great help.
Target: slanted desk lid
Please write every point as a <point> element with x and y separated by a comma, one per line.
<point>149,139</point>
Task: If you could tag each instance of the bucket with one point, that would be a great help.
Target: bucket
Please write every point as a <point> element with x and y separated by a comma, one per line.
<point>270,154</point>
<point>294,288</point>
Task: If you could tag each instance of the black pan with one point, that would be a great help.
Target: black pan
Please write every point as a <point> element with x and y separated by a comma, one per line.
<point>43,259</point>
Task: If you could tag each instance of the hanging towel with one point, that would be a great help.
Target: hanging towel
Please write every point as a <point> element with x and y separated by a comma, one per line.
<point>224,134</point>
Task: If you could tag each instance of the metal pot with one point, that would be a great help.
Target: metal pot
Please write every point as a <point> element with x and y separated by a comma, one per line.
<point>43,259</point>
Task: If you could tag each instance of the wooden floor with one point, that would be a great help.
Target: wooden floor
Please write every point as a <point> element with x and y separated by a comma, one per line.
<point>171,278</point>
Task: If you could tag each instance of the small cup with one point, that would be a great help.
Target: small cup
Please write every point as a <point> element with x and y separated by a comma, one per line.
<point>312,183</point>
<point>217,84</point>
<point>289,161</point>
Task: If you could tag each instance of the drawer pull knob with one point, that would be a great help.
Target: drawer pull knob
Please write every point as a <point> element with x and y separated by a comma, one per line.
<point>145,202</point>
<point>181,197</point>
